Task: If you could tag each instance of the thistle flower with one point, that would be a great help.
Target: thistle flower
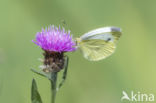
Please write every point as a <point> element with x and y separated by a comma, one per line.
<point>55,39</point>
<point>54,42</point>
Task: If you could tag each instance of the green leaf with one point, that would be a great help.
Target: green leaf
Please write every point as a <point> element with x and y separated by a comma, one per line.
<point>35,96</point>
<point>41,73</point>
<point>64,73</point>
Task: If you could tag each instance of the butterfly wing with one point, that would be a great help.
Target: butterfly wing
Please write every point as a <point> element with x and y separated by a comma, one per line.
<point>95,50</point>
<point>104,33</point>
<point>100,43</point>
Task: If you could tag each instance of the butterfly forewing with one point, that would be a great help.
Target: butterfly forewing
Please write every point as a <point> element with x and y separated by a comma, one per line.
<point>103,33</point>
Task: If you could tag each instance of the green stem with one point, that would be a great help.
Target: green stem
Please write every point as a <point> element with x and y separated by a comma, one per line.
<point>53,86</point>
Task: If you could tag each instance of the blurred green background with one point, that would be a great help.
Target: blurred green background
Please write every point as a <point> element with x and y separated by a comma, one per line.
<point>131,68</point>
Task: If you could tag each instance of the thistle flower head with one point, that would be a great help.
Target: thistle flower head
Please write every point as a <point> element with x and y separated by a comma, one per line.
<point>55,39</point>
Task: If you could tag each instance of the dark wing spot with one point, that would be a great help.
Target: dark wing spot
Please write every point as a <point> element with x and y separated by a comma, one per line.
<point>108,39</point>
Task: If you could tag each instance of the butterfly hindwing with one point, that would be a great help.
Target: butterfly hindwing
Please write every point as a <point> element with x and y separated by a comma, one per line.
<point>95,50</point>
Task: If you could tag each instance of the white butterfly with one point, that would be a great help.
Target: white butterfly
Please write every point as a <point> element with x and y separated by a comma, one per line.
<point>99,43</point>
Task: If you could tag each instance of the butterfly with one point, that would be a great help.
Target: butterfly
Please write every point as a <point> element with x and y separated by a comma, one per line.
<point>99,43</point>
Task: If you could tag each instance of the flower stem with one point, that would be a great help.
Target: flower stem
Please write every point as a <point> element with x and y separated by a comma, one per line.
<point>53,86</point>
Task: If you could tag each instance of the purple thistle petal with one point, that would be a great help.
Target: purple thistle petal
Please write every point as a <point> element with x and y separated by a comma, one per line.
<point>55,39</point>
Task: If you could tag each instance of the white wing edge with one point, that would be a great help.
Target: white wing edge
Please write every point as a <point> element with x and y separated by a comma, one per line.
<point>100,30</point>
